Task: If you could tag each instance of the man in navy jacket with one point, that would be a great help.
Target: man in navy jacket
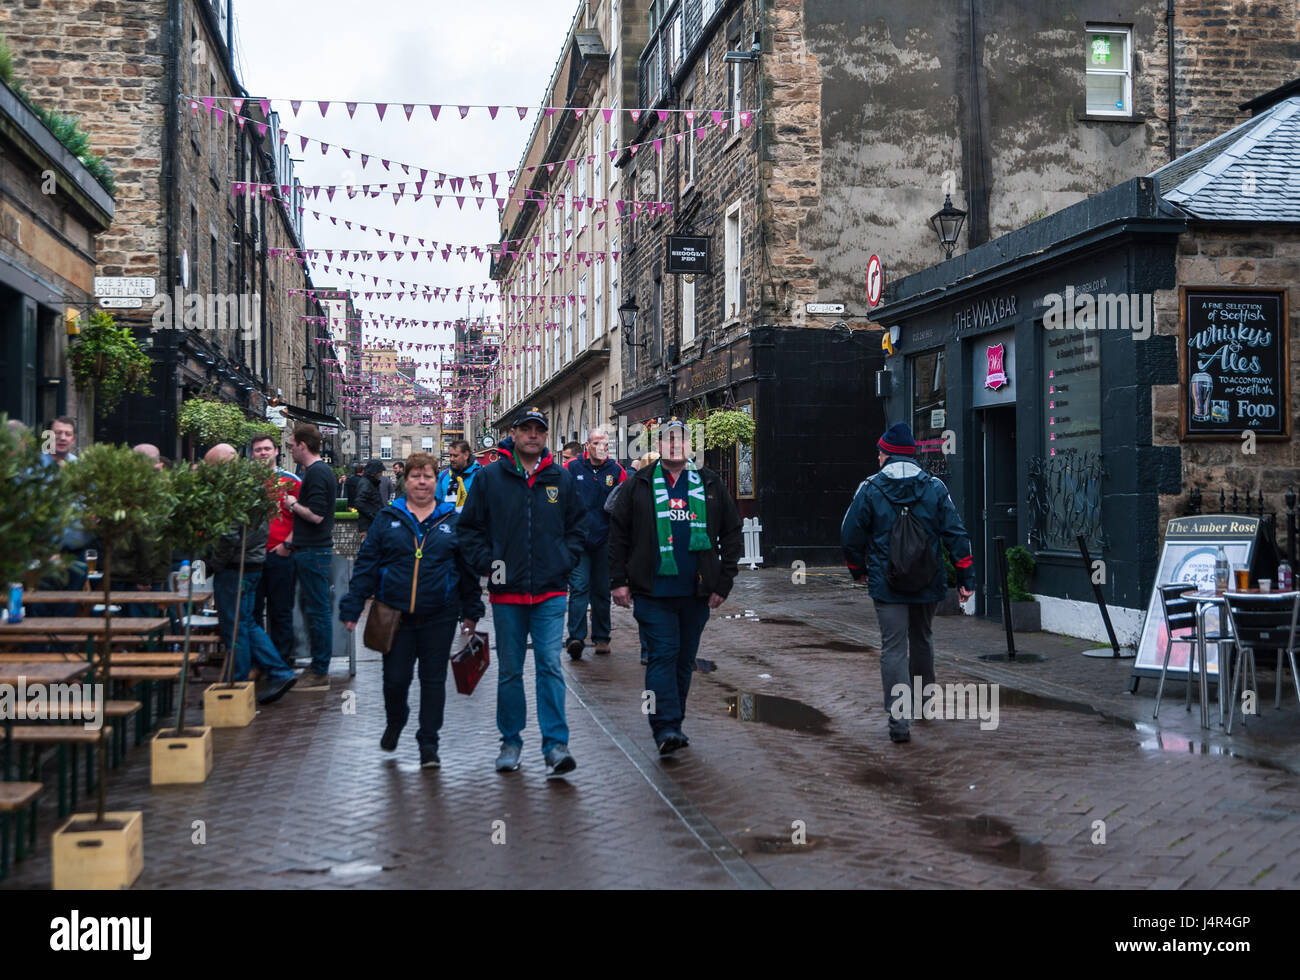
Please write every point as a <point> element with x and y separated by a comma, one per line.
<point>906,644</point>
<point>523,527</point>
<point>595,475</point>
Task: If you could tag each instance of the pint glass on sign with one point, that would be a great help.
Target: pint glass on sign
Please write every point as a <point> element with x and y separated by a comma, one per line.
<point>1202,386</point>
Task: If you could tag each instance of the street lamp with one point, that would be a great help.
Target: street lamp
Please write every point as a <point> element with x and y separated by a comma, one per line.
<point>947,223</point>
<point>329,407</point>
<point>627,314</point>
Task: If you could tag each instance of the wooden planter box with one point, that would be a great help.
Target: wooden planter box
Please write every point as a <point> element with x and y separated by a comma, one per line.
<point>229,706</point>
<point>181,760</point>
<point>98,859</point>
<point>1026,617</point>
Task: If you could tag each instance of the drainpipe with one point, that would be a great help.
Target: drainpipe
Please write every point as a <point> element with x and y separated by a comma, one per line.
<point>1173,101</point>
<point>171,133</point>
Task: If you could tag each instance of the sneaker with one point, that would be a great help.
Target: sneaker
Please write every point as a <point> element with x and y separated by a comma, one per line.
<point>899,736</point>
<point>559,761</point>
<point>389,741</point>
<point>575,649</point>
<point>508,760</point>
<point>277,690</point>
<point>310,680</point>
<point>670,742</point>
<point>429,759</point>
<point>602,647</point>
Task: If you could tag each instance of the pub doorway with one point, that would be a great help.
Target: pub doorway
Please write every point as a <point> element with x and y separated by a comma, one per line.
<point>997,503</point>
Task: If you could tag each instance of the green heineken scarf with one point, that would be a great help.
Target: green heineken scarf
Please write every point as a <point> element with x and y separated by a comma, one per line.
<point>663,524</point>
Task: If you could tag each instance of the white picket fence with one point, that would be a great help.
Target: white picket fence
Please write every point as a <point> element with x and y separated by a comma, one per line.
<point>753,556</point>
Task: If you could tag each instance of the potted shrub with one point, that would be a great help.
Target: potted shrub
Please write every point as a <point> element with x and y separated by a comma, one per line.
<point>724,427</point>
<point>37,509</point>
<point>116,494</point>
<point>210,421</point>
<point>1026,617</point>
<point>106,360</point>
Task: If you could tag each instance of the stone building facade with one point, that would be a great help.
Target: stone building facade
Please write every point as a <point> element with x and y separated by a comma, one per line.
<point>52,214</point>
<point>224,321</point>
<point>560,256</point>
<point>405,415</point>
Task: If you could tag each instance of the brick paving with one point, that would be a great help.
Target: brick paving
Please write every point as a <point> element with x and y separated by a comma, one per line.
<point>303,797</point>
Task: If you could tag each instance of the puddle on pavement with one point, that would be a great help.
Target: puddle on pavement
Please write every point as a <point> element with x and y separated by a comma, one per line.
<point>992,838</point>
<point>780,622</point>
<point>842,646</point>
<point>779,712</point>
<point>1010,697</point>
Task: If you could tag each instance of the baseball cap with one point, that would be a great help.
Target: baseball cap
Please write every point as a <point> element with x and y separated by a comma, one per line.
<point>531,414</point>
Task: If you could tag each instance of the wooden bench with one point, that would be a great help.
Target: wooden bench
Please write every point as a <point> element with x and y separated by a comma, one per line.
<point>145,659</point>
<point>14,798</point>
<point>61,737</point>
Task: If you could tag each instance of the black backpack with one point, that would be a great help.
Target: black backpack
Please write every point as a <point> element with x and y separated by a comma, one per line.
<point>912,566</point>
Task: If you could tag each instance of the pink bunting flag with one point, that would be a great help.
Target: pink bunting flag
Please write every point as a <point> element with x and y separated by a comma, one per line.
<point>699,134</point>
<point>221,115</point>
<point>207,104</point>
<point>384,162</point>
<point>365,158</point>
<point>381,108</point>
<point>236,105</point>
<point>296,106</point>
<point>659,146</point>
<point>434,110</point>
<point>550,110</point>
<point>283,137</point>
<point>261,129</point>
<point>464,110</point>
<point>323,148</point>
<point>635,114</point>
<point>746,118</point>
<point>717,116</point>
<point>408,109</point>
<point>572,164</point>
<point>324,108</point>
<point>266,108</point>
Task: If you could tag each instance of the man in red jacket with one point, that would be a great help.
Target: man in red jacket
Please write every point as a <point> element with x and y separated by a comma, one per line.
<point>275,592</point>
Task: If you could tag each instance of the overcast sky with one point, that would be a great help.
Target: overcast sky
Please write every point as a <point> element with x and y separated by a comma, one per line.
<point>436,51</point>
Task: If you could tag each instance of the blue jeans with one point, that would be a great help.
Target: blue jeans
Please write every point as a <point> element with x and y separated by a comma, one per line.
<point>670,630</point>
<point>275,602</point>
<point>429,644</point>
<point>512,625</point>
<point>312,567</point>
<point>254,645</point>
<point>590,579</point>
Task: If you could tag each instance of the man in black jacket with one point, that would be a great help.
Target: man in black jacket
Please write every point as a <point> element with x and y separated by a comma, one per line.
<point>674,540</point>
<point>523,527</point>
<point>596,475</point>
<point>368,503</point>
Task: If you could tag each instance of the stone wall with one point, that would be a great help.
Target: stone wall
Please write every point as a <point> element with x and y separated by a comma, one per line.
<point>1260,258</point>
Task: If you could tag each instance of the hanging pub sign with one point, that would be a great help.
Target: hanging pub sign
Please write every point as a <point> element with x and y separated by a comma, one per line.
<point>1234,363</point>
<point>688,254</point>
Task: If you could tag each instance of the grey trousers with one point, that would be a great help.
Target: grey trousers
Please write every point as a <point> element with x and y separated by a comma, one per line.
<point>906,649</point>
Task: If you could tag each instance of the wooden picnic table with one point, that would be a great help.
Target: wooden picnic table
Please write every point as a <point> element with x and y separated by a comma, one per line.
<point>33,673</point>
<point>116,597</point>
<point>36,627</point>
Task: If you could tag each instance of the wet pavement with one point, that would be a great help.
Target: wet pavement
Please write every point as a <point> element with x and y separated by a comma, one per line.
<point>790,780</point>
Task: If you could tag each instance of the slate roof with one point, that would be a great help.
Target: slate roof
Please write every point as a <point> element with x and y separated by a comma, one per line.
<point>1250,173</point>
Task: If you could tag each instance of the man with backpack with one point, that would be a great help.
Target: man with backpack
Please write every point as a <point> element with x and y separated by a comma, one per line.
<point>892,537</point>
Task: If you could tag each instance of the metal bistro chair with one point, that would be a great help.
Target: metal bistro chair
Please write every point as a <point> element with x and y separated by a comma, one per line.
<point>1180,614</point>
<point>1262,620</point>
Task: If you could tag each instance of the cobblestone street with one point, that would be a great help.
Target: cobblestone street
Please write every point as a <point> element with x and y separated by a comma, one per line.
<point>788,743</point>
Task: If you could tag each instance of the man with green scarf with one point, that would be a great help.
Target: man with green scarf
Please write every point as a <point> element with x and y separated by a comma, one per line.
<point>674,540</point>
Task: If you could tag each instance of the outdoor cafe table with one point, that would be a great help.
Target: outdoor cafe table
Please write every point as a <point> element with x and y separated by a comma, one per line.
<point>11,674</point>
<point>117,597</point>
<point>45,627</point>
<point>1207,599</point>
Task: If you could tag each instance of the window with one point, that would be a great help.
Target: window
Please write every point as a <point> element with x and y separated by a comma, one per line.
<point>613,28</point>
<point>582,312</point>
<point>613,148</point>
<point>688,309</point>
<point>213,283</point>
<point>568,219</point>
<point>598,162</point>
<point>194,250</point>
<point>733,96</point>
<point>674,38</point>
<point>386,418</point>
<point>385,447</point>
<point>1110,80</point>
<point>657,348</point>
<point>426,444</point>
<point>582,179</point>
<point>731,254</point>
<point>652,83</point>
<point>598,302</point>
<point>690,144</point>
<point>568,334</point>
<point>661,193</point>
<point>426,415</point>
<point>595,407</point>
<point>707,9</point>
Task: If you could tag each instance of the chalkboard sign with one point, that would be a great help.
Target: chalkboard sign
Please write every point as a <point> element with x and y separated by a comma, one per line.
<point>1190,549</point>
<point>1234,363</point>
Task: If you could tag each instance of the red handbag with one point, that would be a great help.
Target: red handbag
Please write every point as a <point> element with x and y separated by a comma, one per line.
<point>471,663</point>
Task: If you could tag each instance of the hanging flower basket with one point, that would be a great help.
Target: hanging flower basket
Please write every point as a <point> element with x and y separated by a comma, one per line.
<point>107,359</point>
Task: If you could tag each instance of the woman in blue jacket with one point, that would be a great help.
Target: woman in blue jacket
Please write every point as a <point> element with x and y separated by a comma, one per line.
<point>410,561</point>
